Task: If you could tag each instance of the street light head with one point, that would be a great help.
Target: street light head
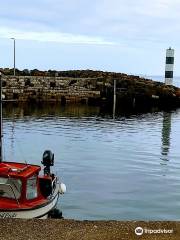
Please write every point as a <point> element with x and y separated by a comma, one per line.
<point>12,38</point>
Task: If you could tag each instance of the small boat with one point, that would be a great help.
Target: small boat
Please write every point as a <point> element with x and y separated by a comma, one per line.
<point>24,192</point>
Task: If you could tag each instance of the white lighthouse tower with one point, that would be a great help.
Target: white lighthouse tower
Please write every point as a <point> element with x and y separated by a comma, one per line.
<point>169,66</point>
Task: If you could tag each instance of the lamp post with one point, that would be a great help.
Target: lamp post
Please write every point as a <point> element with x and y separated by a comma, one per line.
<point>14,55</point>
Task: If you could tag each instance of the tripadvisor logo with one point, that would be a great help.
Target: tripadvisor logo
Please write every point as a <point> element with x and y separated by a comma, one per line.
<point>139,231</point>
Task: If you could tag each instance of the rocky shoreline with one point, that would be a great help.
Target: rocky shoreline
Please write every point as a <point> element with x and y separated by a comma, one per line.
<point>54,229</point>
<point>94,88</point>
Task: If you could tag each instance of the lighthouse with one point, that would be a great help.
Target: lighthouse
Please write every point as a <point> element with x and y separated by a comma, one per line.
<point>169,66</point>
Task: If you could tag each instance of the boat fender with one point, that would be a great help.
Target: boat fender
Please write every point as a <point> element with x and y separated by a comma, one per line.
<point>55,213</point>
<point>62,188</point>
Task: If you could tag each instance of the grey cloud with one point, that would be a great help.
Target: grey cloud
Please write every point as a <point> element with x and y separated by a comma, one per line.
<point>114,20</point>
<point>133,25</point>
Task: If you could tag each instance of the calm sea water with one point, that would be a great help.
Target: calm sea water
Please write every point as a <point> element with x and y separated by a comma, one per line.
<point>127,168</point>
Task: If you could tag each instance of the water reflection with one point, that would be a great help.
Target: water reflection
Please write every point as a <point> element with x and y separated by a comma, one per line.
<point>166,131</point>
<point>12,127</point>
<point>22,111</point>
<point>12,137</point>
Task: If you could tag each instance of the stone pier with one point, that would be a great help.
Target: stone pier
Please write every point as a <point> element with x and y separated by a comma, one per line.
<point>50,89</point>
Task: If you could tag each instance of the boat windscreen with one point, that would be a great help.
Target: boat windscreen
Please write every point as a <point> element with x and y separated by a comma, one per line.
<point>31,192</point>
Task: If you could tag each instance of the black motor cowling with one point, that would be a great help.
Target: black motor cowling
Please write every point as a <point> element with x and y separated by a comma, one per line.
<point>47,161</point>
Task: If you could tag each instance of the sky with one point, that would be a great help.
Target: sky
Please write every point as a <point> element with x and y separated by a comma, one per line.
<point>111,35</point>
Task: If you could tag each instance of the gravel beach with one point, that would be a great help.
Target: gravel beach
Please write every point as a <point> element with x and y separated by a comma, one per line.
<point>53,229</point>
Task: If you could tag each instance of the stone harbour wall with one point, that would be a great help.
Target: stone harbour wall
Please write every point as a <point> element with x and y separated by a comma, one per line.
<point>131,91</point>
<point>55,89</point>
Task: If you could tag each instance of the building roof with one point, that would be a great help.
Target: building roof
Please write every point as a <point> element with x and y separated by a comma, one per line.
<point>16,170</point>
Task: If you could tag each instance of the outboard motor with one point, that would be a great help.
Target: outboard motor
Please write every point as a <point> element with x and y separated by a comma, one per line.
<point>47,161</point>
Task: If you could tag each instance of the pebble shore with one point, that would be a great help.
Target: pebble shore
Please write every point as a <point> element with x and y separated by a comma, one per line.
<point>54,229</point>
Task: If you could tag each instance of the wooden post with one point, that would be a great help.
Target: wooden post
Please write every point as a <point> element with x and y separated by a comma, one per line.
<point>1,135</point>
<point>114,101</point>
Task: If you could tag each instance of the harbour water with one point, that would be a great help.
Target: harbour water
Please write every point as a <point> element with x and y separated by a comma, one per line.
<point>127,168</point>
